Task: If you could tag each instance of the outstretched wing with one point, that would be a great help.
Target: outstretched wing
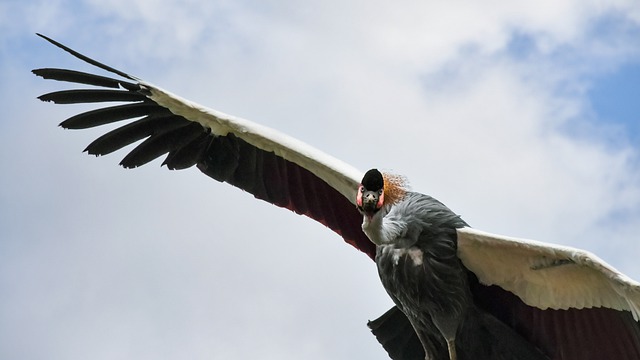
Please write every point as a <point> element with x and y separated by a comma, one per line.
<point>566,301</point>
<point>546,275</point>
<point>270,165</point>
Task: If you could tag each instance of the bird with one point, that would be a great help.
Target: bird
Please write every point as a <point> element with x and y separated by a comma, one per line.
<point>459,293</point>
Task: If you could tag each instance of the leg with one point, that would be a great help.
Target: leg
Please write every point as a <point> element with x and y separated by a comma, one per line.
<point>448,328</point>
<point>451,344</point>
<point>431,350</point>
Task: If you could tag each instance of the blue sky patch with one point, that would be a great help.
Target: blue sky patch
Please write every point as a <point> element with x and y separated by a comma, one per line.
<point>615,98</point>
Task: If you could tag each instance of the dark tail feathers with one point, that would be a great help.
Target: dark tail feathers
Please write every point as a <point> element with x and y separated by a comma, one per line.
<point>396,335</point>
<point>481,337</point>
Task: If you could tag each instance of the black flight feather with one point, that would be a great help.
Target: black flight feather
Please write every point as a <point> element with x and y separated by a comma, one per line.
<point>112,114</point>
<point>91,96</point>
<point>80,77</point>
<point>88,59</point>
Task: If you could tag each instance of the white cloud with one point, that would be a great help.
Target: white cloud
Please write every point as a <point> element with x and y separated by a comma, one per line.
<point>152,264</point>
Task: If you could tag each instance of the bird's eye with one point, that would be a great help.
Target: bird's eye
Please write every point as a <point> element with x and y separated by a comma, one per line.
<point>362,189</point>
<point>380,191</point>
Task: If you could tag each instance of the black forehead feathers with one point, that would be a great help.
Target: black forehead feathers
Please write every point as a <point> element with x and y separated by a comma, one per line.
<point>373,180</point>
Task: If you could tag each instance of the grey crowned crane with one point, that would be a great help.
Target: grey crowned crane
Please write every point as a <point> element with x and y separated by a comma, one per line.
<point>460,293</point>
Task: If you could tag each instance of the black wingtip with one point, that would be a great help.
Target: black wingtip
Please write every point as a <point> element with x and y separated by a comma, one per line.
<point>87,59</point>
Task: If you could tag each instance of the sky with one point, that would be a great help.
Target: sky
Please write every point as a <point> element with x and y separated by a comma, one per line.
<point>523,117</point>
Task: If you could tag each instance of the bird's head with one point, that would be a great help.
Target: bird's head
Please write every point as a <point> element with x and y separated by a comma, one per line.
<point>377,190</point>
<point>370,197</point>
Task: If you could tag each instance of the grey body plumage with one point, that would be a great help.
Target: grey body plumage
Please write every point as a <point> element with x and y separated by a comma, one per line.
<point>418,265</point>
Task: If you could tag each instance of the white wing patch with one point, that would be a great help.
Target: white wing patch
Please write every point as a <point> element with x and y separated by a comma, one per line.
<point>546,275</point>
